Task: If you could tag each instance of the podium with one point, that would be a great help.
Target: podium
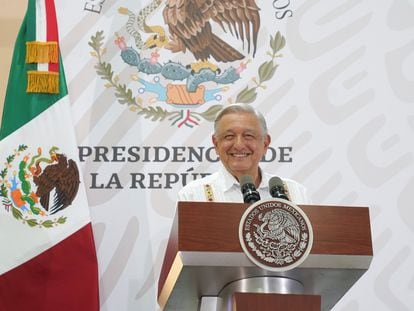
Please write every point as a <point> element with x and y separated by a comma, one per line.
<point>205,268</point>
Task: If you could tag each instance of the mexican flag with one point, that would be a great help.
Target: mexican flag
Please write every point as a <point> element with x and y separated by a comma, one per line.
<point>47,252</point>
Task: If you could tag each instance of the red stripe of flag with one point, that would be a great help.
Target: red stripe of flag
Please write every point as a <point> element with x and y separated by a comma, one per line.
<point>51,29</point>
<point>64,278</point>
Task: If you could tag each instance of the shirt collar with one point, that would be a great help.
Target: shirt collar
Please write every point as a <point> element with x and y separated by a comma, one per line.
<point>229,180</point>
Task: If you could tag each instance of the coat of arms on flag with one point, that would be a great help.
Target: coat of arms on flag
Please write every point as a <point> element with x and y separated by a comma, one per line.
<point>35,187</point>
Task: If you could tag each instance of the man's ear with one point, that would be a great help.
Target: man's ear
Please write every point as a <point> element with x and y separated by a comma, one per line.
<point>267,141</point>
<point>214,140</point>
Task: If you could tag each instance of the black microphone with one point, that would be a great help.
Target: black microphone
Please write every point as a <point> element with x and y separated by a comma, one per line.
<point>250,194</point>
<point>277,189</point>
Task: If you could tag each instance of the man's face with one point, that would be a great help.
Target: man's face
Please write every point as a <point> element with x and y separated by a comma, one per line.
<point>240,144</point>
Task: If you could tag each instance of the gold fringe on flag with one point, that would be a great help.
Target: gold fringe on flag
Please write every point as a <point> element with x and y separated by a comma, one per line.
<point>42,82</point>
<point>42,52</point>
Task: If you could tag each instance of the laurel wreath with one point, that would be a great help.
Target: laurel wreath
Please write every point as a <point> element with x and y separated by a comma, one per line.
<point>278,260</point>
<point>266,70</point>
<point>124,95</point>
<point>8,204</point>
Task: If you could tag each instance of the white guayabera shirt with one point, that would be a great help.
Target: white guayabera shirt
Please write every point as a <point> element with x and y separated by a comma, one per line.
<point>221,186</point>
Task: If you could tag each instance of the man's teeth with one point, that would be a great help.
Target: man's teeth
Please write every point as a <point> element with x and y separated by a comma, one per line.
<point>239,155</point>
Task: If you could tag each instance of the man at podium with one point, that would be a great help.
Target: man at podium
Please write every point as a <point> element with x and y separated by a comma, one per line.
<point>241,139</point>
<point>264,256</point>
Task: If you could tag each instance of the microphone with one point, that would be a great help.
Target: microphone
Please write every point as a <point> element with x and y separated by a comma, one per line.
<point>250,194</point>
<point>277,189</point>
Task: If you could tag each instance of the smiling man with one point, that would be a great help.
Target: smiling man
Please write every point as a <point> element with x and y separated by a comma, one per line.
<point>241,140</point>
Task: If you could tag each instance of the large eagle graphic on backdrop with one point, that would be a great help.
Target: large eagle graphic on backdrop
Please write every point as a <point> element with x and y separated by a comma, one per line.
<point>189,23</point>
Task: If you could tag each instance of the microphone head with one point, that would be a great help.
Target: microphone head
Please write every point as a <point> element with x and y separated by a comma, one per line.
<point>277,188</point>
<point>275,181</point>
<point>248,189</point>
<point>246,179</point>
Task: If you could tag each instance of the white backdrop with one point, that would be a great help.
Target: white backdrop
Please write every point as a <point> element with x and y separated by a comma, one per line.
<point>342,97</point>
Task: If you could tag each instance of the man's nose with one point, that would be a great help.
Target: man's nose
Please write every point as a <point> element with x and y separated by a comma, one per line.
<point>239,141</point>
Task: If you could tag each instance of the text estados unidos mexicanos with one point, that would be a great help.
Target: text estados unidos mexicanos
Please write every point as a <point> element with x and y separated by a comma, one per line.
<point>281,7</point>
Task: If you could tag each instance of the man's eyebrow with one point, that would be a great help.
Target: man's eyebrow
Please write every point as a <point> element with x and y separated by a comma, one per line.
<point>227,132</point>
<point>251,131</point>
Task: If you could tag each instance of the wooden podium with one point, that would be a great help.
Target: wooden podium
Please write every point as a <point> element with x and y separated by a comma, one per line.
<point>204,261</point>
